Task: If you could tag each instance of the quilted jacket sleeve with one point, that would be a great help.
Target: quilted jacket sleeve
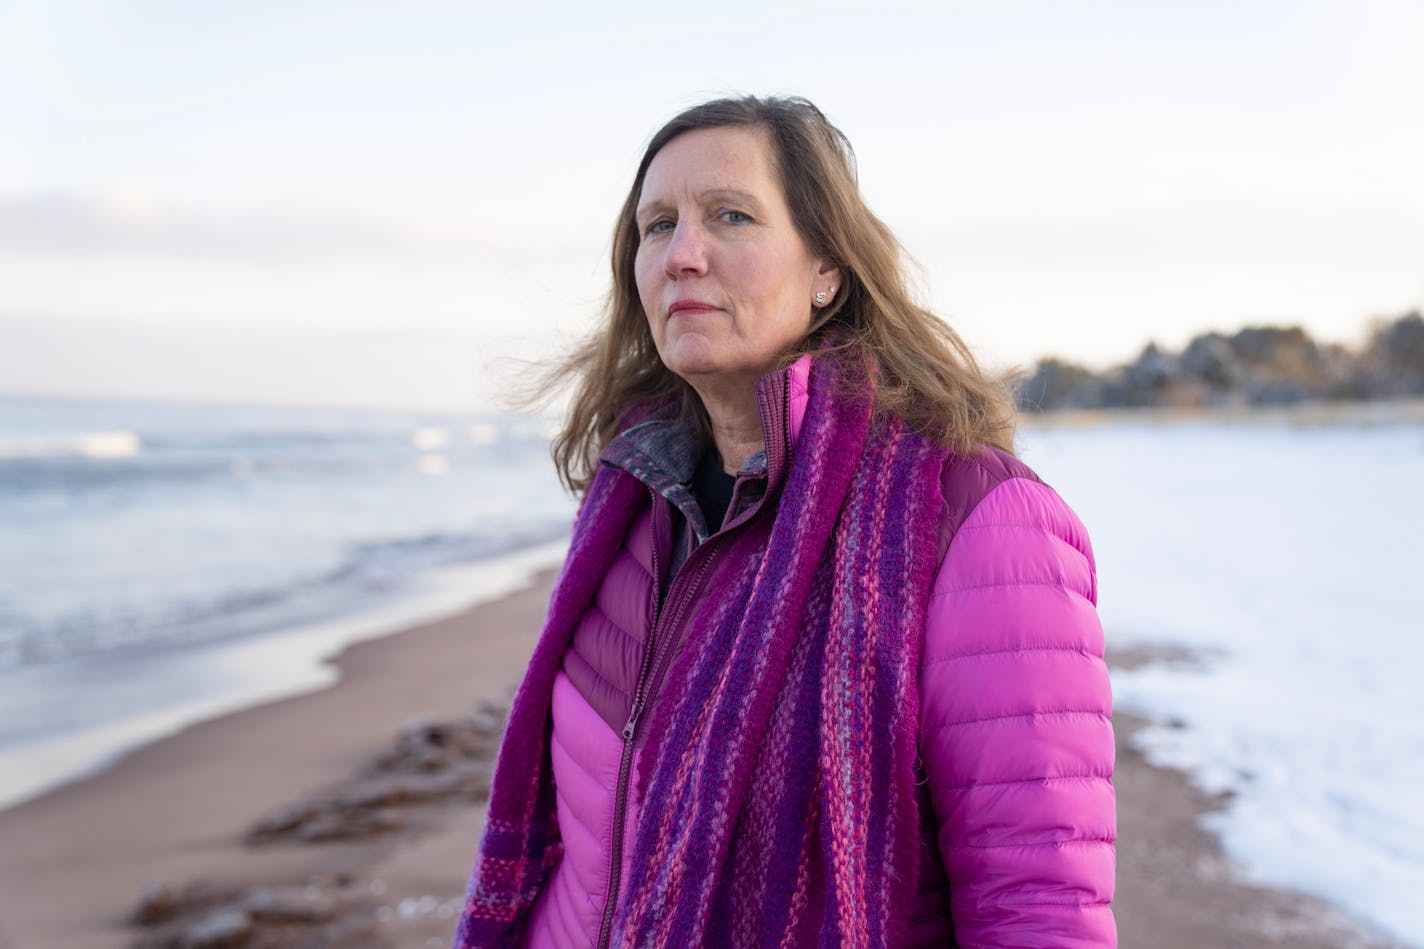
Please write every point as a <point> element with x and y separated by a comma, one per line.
<point>1016,729</point>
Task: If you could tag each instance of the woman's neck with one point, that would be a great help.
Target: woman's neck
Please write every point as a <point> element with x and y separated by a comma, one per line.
<point>736,425</point>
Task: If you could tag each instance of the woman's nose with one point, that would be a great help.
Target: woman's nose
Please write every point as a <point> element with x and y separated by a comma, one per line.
<point>686,251</point>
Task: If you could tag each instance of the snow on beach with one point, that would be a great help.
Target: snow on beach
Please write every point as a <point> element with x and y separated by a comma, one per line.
<point>1285,559</point>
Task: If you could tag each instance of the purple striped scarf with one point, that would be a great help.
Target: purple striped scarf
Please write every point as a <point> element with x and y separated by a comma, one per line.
<point>778,809</point>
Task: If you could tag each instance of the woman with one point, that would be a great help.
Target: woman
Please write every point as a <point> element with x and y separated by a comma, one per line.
<point>822,666</point>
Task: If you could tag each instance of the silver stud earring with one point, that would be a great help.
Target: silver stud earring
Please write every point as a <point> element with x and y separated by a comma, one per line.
<point>821,298</point>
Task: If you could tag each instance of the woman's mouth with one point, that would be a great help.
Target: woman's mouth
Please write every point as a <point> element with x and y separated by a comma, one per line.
<point>686,307</point>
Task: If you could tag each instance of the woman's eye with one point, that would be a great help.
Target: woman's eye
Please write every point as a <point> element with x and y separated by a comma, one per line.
<point>735,217</point>
<point>660,226</point>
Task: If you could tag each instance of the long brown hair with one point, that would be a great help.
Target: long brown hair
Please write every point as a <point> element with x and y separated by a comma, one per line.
<point>926,375</point>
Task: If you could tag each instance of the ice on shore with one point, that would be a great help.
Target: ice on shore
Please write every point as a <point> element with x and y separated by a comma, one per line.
<point>1288,560</point>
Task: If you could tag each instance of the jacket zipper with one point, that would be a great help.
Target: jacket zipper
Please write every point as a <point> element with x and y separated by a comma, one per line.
<point>652,666</point>
<point>655,658</point>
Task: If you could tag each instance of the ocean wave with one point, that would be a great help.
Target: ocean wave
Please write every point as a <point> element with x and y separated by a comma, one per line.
<point>430,437</point>
<point>480,434</point>
<point>220,461</point>
<point>365,573</point>
<point>114,443</point>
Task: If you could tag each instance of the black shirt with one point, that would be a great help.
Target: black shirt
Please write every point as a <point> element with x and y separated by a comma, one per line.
<point>713,489</point>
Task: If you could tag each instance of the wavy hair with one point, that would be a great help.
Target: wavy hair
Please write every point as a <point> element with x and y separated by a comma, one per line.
<point>925,374</point>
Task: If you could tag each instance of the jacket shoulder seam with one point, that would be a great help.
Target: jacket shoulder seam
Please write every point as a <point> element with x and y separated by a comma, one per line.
<point>1041,779</point>
<point>1078,649</point>
<point>1056,585</point>
<point>1044,713</point>
<point>1073,841</point>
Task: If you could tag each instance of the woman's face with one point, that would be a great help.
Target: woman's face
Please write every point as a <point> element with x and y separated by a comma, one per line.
<point>724,277</point>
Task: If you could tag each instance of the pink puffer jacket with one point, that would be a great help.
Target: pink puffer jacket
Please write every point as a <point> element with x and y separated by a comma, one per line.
<point>1017,808</point>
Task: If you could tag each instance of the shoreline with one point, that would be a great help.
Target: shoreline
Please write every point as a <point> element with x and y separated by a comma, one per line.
<point>75,862</point>
<point>1311,414</point>
<point>127,700</point>
<point>1174,875</point>
<point>1177,888</point>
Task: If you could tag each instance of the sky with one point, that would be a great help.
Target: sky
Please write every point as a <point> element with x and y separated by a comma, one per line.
<point>403,204</point>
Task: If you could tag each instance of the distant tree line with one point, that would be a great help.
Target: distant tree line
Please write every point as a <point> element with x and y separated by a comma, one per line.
<point>1259,365</point>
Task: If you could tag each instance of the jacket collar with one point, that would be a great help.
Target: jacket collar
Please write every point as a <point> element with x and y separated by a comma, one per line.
<point>662,450</point>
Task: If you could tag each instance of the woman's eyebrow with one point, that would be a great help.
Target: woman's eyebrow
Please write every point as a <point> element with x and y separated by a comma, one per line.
<point>742,197</point>
<point>736,195</point>
<point>656,206</point>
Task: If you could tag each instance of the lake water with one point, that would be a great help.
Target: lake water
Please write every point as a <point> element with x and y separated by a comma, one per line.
<point>160,564</point>
<point>164,563</point>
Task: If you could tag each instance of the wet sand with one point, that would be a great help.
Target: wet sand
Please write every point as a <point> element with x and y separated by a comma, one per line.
<point>75,863</point>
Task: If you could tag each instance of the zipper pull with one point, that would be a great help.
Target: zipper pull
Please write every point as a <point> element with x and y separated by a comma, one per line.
<point>629,728</point>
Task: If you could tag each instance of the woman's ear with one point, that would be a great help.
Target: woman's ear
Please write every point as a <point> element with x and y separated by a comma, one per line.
<point>828,277</point>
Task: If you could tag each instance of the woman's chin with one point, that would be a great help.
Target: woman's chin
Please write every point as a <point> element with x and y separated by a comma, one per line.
<point>695,356</point>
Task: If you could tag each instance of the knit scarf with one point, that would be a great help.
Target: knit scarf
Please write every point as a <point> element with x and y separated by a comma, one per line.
<point>778,799</point>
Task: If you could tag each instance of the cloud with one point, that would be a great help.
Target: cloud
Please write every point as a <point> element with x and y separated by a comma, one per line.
<point>73,355</point>
<point>1260,233</point>
<point>128,223</point>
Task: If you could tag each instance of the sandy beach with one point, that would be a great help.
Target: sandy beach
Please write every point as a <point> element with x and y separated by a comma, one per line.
<point>174,820</point>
